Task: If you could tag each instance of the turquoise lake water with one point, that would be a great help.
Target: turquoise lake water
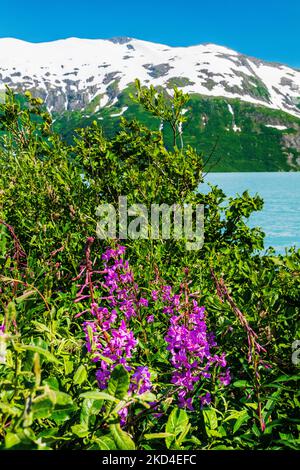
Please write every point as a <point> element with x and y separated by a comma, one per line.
<point>280,217</point>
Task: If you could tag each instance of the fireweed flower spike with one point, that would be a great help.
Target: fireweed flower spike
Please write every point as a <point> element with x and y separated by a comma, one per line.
<point>110,340</point>
<point>190,346</point>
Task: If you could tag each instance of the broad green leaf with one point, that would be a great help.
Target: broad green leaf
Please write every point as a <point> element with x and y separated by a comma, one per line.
<point>222,447</point>
<point>147,396</point>
<point>90,408</point>
<point>52,382</point>
<point>62,398</point>
<point>241,384</point>
<point>181,438</point>
<point>64,406</point>
<point>80,430</point>
<point>98,396</point>
<point>158,435</point>
<point>105,443</point>
<point>63,414</point>
<point>69,365</point>
<point>42,407</point>
<point>177,423</point>
<point>119,382</point>
<point>11,440</point>
<point>122,439</point>
<point>286,378</point>
<point>243,418</point>
<point>80,375</point>
<point>10,409</point>
<point>210,418</point>
<point>51,432</point>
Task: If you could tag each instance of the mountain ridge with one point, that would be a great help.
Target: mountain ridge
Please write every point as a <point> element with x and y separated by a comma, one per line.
<point>59,70</point>
<point>250,106</point>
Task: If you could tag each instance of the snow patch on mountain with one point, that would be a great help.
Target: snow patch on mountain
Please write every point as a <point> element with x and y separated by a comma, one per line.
<point>276,126</point>
<point>120,113</point>
<point>68,74</point>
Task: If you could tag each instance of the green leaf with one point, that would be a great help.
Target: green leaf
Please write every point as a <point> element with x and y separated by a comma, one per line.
<point>69,365</point>
<point>287,378</point>
<point>158,435</point>
<point>11,440</point>
<point>10,409</point>
<point>42,407</point>
<point>122,439</point>
<point>80,375</point>
<point>243,418</point>
<point>80,430</point>
<point>52,382</point>
<point>177,423</point>
<point>98,396</point>
<point>63,414</point>
<point>252,405</point>
<point>62,398</point>
<point>210,418</point>
<point>43,352</point>
<point>118,384</point>
<point>105,443</point>
<point>241,384</point>
<point>147,396</point>
<point>181,438</point>
<point>222,447</point>
<point>90,408</point>
<point>48,433</point>
<point>64,406</point>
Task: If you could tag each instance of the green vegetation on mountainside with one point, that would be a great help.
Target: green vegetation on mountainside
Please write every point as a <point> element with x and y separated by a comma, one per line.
<point>210,129</point>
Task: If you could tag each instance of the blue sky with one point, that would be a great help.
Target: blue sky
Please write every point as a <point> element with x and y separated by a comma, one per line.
<point>267,29</point>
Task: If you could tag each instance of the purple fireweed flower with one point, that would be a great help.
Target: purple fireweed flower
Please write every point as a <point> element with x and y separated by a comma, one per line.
<point>190,345</point>
<point>140,383</point>
<point>168,310</point>
<point>123,413</point>
<point>176,300</point>
<point>140,380</point>
<point>117,350</point>
<point>206,399</point>
<point>143,302</point>
<point>166,293</point>
<point>91,336</point>
<point>109,338</point>
<point>154,295</point>
<point>225,378</point>
<point>220,360</point>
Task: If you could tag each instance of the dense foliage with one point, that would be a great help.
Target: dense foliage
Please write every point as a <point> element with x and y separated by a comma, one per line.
<point>123,344</point>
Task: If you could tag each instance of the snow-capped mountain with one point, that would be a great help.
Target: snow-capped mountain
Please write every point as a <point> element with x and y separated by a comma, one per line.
<point>68,74</point>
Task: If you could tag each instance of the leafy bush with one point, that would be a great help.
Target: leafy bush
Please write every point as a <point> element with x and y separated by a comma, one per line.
<point>99,351</point>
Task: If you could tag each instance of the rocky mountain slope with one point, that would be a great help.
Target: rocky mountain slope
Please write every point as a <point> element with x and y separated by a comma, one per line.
<point>69,73</point>
<point>93,78</point>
